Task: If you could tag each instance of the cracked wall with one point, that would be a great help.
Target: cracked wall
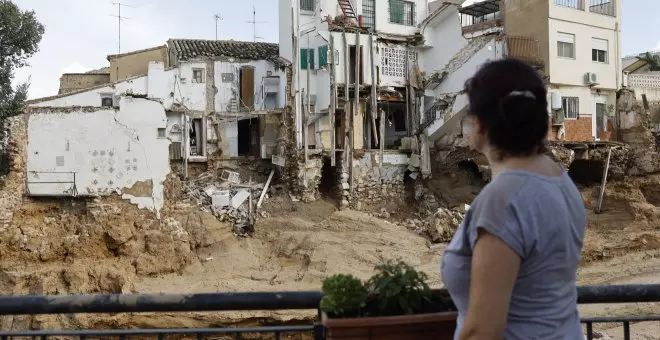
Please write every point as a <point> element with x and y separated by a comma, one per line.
<point>87,151</point>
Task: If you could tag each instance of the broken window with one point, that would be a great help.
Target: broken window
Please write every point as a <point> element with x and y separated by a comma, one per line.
<point>198,76</point>
<point>571,106</point>
<point>196,137</point>
<point>402,12</point>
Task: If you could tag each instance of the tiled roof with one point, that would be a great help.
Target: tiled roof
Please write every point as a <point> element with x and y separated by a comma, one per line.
<point>186,49</point>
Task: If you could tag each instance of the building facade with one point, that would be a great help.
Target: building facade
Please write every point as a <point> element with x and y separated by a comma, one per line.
<point>580,45</point>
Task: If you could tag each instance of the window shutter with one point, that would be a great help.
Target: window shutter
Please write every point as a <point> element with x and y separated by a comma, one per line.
<point>323,56</point>
<point>303,58</point>
<point>566,38</point>
<point>599,44</point>
<point>311,58</point>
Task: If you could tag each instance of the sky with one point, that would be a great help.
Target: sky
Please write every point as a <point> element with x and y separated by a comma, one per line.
<point>81,33</point>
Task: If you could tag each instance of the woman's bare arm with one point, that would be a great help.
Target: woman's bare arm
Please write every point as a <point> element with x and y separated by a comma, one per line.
<point>493,275</point>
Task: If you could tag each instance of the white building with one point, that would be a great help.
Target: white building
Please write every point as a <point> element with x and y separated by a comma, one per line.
<point>580,45</point>
<point>220,98</point>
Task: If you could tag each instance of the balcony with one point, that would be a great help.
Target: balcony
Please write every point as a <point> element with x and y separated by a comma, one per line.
<point>604,7</point>
<point>273,301</point>
<point>575,4</point>
<point>482,16</point>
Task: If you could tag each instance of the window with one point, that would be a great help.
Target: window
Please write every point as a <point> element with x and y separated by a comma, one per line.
<point>303,58</point>
<point>402,12</point>
<point>161,132</point>
<point>599,50</point>
<point>369,13</point>
<point>566,45</point>
<point>571,107</point>
<point>307,5</point>
<point>198,76</point>
<point>323,56</point>
<point>106,101</point>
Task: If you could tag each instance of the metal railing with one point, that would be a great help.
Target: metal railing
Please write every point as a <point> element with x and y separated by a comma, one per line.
<point>576,4</point>
<point>605,7</point>
<point>34,179</point>
<point>218,302</point>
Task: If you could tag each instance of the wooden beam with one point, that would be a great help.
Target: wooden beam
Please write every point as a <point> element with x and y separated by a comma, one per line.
<point>347,102</point>
<point>263,192</point>
<point>356,95</point>
<point>374,102</point>
<point>333,100</point>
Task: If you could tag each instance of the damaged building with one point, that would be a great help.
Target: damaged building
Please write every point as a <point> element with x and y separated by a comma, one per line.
<point>220,99</point>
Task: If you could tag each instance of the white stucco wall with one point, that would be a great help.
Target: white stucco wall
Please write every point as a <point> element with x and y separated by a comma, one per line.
<point>455,82</point>
<point>158,84</point>
<point>383,18</point>
<point>585,26</point>
<point>109,151</point>
<point>444,38</point>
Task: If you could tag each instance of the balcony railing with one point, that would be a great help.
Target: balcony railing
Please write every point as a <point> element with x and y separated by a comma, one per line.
<point>576,4</point>
<point>605,7</point>
<point>35,305</point>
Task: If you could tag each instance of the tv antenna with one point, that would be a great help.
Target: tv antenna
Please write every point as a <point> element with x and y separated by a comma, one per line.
<point>254,23</point>
<point>217,18</point>
<point>119,20</point>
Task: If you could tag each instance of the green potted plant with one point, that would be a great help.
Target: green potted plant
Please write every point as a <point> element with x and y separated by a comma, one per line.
<point>395,303</point>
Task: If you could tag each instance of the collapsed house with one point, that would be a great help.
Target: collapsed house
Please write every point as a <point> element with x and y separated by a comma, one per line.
<point>214,98</point>
<point>351,104</point>
<point>378,84</point>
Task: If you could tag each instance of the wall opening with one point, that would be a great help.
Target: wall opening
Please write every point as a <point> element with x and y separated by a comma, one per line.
<point>196,134</point>
<point>248,137</point>
<point>586,171</point>
<point>353,62</point>
<point>396,124</point>
<point>329,180</point>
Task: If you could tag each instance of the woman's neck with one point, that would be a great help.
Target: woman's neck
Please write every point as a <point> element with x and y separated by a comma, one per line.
<point>540,164</point>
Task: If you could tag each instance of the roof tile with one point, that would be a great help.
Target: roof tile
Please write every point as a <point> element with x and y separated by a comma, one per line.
<point>186,49</point>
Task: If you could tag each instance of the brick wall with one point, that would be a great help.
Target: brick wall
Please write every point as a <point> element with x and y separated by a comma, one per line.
<point>578,129</point>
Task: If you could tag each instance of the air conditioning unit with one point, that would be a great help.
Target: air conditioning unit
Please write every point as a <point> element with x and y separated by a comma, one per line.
<point>591,78</point>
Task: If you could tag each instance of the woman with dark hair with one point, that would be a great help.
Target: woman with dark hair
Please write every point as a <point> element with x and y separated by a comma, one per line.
<point>511,267</point>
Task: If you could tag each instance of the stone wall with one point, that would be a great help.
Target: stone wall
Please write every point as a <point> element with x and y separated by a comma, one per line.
<point>374,185</point>
<point>13,184</point>
<point>70,82</point>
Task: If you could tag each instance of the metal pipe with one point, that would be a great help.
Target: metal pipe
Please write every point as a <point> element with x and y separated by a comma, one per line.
<point>31,305</point>
<point>117,303</point>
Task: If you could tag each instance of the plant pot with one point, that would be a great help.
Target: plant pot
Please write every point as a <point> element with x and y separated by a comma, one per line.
<point>436,326</point>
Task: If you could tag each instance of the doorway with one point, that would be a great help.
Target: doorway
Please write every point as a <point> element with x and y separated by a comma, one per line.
<point>248,137</point>
<point>196,138</point>
<point>353,62</point>
<point>247,88</point>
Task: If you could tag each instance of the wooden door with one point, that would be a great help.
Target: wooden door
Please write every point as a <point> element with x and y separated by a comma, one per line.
<point>247,87</point>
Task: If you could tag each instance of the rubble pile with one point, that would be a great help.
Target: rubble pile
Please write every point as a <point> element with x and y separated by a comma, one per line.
<point>225,197</point>
<point>440,226</point>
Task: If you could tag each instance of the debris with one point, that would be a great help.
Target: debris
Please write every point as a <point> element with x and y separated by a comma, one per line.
<point>221,199</point>
<point>263,192</point>
<point>239,198</point>
<point>230,176</point>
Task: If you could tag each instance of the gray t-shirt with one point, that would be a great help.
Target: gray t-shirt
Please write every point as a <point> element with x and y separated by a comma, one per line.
<point>542,219</point>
